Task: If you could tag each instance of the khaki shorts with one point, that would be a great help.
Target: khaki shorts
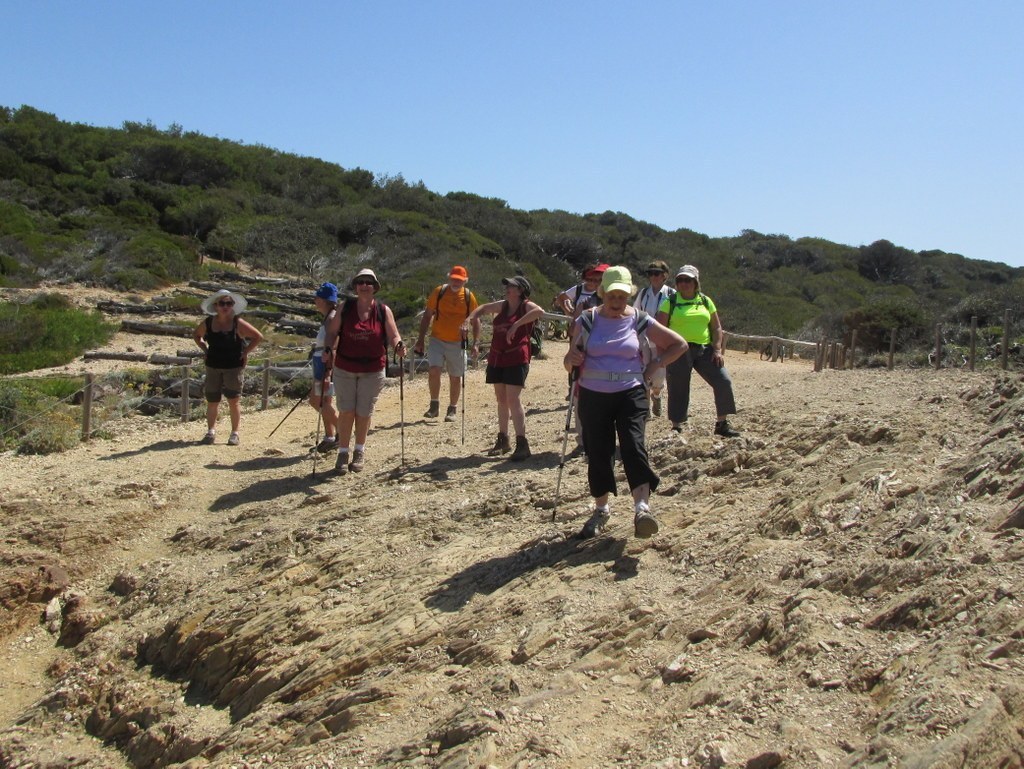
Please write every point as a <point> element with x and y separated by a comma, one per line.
<point>441,353</point>
<point>226,382</point>
<point>358,392</point>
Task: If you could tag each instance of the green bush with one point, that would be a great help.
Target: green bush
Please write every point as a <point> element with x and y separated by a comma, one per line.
<point>47,332</point>
<point>33,422</point>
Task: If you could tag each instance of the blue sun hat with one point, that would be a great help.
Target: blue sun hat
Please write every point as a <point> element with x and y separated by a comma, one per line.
<point>328,292</point>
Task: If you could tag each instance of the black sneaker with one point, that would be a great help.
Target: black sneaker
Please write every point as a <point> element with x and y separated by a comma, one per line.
<point>596,524</point>
<point>722,428</point>
<point>432,412</point>
<point>450,414</point>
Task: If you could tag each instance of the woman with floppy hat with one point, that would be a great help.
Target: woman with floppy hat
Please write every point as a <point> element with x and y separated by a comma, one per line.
<point>321,394</point>
<point>362,329</point>
<point>613,350</point>
<point>227,341</point>
<point>508,361</point>
<point>693,316</point>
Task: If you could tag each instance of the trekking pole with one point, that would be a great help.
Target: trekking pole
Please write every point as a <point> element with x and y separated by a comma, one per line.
<point>401,401</point>
<point>465,365</point>
<point>565,438</point>
<point>297,404</point>
<point>319,419</point>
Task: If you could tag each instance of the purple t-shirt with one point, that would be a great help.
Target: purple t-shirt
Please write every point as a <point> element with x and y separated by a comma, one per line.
<point>613,346</point>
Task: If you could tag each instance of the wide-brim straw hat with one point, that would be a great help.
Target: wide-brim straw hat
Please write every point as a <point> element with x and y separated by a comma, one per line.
<point>208,303</point>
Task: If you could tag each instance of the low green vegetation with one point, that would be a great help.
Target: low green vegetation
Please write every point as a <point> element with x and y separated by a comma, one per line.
<point>36,417</point>
<point>138,207</point>
<point>47,331</point>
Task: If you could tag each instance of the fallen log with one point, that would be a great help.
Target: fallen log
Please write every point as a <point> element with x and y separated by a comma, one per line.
<point>157,329</point>
<point>138,357</point>
<point>170,360</point>
<point>119,308</point>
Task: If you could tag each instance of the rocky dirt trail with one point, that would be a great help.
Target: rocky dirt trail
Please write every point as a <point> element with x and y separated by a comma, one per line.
<point>839,587</point>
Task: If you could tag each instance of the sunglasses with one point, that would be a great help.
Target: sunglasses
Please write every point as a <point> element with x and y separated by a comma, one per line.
<point>652,273</point>
<point>225,303</point>
<point>363,283</point>
<point>685,279</point>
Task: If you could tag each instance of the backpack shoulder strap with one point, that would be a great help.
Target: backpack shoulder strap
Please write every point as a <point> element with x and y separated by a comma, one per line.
<point>586,326</point>
<point>440,296</point>
<point>469,295</point>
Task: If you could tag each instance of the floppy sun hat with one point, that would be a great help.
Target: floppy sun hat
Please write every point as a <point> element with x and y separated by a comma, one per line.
<point>520,282</point>
<point>366,273</point>
<point>209,305</point>
<point>617,279</point>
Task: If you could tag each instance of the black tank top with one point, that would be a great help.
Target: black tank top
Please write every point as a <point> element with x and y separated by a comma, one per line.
<point>224,347</point>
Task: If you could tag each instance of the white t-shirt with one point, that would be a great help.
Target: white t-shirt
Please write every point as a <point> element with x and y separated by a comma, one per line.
<point>649,300</point>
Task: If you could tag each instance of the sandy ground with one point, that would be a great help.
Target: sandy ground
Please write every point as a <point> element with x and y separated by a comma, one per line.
<point>830,589</point>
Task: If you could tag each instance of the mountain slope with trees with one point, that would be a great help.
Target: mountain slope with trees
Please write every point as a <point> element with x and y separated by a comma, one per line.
<point>139,207</point>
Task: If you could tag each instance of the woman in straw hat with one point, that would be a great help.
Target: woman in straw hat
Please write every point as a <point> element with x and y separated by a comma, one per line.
<point>362,329</point>
<point>227,341</point>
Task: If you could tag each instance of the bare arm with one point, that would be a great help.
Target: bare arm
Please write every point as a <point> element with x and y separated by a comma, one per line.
<point>670,345</point>
<point>248,331</point>
<point>333,328</point>
<point>198,336</point>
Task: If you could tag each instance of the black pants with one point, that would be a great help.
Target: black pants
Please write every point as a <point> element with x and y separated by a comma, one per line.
<point>605,416</point>
<point>677,374</point>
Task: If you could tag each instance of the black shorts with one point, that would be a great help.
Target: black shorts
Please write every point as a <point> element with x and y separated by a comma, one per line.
<point>507,375</point>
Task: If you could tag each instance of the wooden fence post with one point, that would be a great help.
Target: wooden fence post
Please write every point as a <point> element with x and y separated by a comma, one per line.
<point>186,394</point>
<point>892,348</point>
<point>938,345</point>
<point>974,341</point>
<point>266,384</point>
<point>1006,339</point>
<point>87,408</point>
<point>853,349</point>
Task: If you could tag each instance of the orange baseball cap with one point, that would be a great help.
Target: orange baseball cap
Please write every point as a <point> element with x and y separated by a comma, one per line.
<point>459,272</point>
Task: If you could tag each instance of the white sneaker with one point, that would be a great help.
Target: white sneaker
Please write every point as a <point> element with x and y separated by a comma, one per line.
<point>645,525</point>
<point>233,439</point>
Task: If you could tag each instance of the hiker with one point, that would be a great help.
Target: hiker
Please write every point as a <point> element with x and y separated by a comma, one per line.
<point>583,295</point>
<point>362,329</point>
<point>614,352</point>
<point>508,361</point>
<point>448,307</point>
<point>321,394</point>
<point>227,341</point>
<point>693,315</point>
<point>649,300</point>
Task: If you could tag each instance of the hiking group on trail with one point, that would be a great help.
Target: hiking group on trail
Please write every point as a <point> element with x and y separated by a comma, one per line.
<point>621,359</point>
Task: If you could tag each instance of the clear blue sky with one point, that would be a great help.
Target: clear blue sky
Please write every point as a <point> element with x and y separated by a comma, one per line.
<point>851,121</point>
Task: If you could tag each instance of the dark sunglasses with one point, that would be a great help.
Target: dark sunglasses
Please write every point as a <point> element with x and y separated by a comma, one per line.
<point>363,282</point>
<point>226,303</point>
<point>652,273</point>
<point>685,279</point>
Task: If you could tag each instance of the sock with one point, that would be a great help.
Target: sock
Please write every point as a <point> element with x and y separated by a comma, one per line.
<point>359,447</point>
<point>642,507</point>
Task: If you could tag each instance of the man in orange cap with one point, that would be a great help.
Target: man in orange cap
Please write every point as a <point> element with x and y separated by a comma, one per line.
<point>448,307</point>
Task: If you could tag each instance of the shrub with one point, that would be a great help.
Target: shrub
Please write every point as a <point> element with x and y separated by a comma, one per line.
<point>47,332</point>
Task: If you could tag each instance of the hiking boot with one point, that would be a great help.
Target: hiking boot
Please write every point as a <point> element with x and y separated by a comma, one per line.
<point>656,406</point>
<point>596,524</point>
<point>356,465</point>
<point>341,463</point>
<point>432,412</point>
<point>722,428</point>
<point>450,414</point>
<point>677,427</point>
<point>327,445</point>
<point>501,446</point>
<point>209,439</point>
<point>233,439</point>
<point>522,449</point>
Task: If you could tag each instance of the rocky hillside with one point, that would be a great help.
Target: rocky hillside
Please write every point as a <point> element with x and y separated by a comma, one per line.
<point>839,587</point>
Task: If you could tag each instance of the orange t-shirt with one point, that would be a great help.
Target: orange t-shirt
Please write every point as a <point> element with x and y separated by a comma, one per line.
<point>451,314</point>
